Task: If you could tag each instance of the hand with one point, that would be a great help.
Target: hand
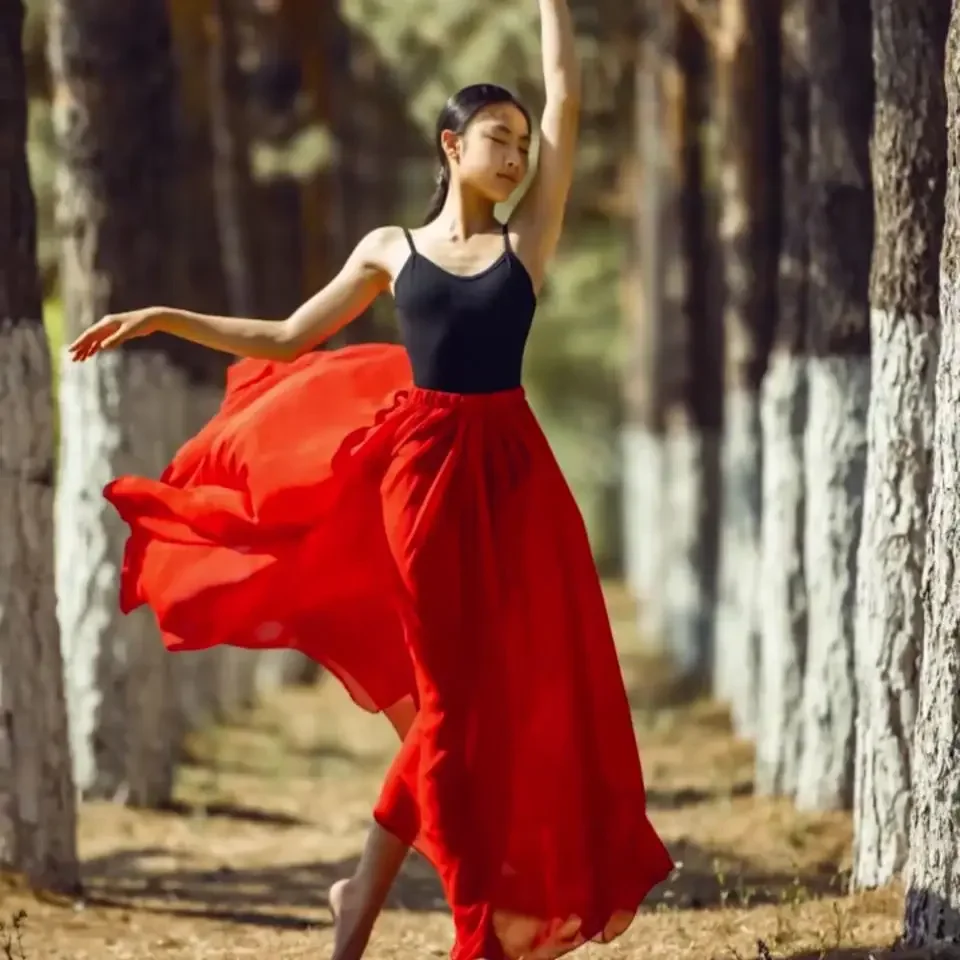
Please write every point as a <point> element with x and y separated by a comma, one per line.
<point>112,330</point>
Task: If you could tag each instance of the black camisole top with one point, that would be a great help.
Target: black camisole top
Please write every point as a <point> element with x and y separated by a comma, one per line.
<point>465,334</point>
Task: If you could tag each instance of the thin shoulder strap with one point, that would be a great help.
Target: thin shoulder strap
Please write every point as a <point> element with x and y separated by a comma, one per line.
<point>506,238</point>
<point>409,237</point>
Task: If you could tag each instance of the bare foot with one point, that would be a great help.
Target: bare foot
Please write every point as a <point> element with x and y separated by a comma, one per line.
<point>351,928</point>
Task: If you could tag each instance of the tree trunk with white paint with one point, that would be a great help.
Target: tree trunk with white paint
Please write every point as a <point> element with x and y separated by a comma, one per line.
<point>695,374</point>
<point>841,242</point>
<point>114,115</point>
<point>783,415</point>
<point>933,863</point>
<point>909,157</point>
<point>643,454</point>
<point>37,798</point>
<point>748,79</point>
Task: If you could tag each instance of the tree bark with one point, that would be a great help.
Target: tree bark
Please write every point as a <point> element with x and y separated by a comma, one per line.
<point>234,196</point>
<point>841,242</point>
<point>783,409</point>
<point>909,158</point>
<point>748,54</point>
<point>232,177</point>
<point>933,865</point>
<point>189,25</point>
<point>37,802</point>
<point>367,121</point>
<point>644,389</point>
<point>692,446</point>
<point>122,413</point>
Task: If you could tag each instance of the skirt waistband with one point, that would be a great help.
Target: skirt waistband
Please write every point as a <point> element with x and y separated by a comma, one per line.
<point>513,397</point>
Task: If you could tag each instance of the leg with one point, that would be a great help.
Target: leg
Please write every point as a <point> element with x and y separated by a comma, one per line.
<point>356,902</point>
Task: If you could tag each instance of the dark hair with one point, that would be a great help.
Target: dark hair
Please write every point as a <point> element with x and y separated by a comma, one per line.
<point>456,115</point>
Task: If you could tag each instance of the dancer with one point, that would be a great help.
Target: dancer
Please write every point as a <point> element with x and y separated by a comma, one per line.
<point>397,514</point>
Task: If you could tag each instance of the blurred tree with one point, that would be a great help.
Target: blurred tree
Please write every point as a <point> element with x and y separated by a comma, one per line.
<point>190,30</point>
<point>694,362</point>
<point>37,801</point>
<point>375,141</point>
<point>909,166</point>
<point>232,176</point>
<point>841,244</point>
<point>783,599</point>
<point>933,862</point>
<point>276,100</point>
<point>114,112</point>
<point>747,48</point>
<point>645,369</point>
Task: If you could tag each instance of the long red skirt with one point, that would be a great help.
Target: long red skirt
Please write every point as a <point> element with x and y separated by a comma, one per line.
<point>423,547</point>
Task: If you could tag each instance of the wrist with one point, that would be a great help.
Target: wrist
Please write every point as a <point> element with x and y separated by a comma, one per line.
<point>157,319</point>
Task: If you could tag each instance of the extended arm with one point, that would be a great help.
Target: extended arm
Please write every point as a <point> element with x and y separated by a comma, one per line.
<point>538,220</point>
<point>351,291</point>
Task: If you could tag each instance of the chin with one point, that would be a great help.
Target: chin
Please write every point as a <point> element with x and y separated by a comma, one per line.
<point>503,192</point>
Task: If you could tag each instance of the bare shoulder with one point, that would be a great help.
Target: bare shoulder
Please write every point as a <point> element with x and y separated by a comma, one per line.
<point>381,249</point>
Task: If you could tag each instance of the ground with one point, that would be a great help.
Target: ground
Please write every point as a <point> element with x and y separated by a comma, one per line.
<point>273,808</point>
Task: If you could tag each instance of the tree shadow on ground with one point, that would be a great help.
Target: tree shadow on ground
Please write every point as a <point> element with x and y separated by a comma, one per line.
<point>274,896</point>
<point>885,952</point>
<point>674,799</point>
<point>232,811</point>
<point>706,879</point>
<point>271,896</point>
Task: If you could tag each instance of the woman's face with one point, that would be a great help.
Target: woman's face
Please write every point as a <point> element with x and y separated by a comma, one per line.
<point>493,154</point>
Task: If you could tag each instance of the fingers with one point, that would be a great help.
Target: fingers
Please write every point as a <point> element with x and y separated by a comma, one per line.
<point>94,340</point>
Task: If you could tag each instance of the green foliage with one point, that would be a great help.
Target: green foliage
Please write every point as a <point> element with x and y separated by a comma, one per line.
<point>435,47</point>
<point>572,371</point>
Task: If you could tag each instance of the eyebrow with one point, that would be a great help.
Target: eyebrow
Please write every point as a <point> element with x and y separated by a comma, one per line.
<point>503,128</point>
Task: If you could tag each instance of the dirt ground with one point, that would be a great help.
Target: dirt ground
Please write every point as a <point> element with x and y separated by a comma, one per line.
<point>271,810</point>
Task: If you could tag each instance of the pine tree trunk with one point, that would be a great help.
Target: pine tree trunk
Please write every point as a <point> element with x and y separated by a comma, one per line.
<point>233,189</point>
<point>909,158</point>
<point>692,446</point>
<point>748,50</point>
<point>783,408</point>
<point>366,183</point>
<point>115,122</point>
<point>642,443</point>
<point>232,177</point>
<point>841,242</point>
<point>37,800</point>
<point>189,25</point>
<point>933,864</point>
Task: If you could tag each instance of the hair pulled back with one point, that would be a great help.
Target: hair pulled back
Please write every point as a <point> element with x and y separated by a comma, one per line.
<point>456,116</point>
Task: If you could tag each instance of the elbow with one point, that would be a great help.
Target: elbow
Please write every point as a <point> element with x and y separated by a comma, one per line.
<point>288,343</point>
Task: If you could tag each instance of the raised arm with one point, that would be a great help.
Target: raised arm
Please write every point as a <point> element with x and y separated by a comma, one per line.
<point>352,290</point>
<point>538,219</point>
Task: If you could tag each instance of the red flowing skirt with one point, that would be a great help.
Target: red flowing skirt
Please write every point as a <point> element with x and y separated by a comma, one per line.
<point>425,548</point>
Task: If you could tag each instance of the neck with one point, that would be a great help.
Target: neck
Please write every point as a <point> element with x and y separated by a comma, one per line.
<point>464,214</point>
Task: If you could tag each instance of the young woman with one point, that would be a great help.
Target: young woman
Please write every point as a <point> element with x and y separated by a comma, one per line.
<point>396,513</point>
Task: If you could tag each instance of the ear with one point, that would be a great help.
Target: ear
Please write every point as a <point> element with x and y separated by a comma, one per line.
<point>450,142</point>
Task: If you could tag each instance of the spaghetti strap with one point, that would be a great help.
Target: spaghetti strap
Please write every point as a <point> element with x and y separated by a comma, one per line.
<point>506,237</point>
<point>409,237</point>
